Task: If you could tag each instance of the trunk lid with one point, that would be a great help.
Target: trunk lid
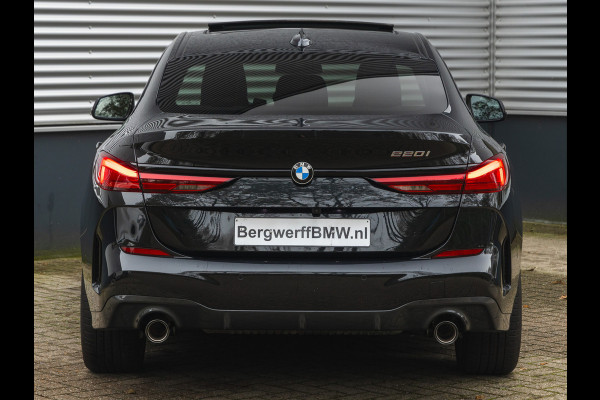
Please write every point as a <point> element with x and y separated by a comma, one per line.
<point>259,154</point>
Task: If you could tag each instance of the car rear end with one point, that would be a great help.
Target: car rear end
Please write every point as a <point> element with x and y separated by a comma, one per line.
<point>302,191</point>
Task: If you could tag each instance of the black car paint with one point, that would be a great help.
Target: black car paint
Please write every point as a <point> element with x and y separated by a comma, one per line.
<point>249,147</point>
<point>210,285</point>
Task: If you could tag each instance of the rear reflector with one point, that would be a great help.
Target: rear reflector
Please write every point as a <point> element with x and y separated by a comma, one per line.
<point>489,176</point>
<point>145,252</point>
<point>114,174</point>
<point>458,253</point>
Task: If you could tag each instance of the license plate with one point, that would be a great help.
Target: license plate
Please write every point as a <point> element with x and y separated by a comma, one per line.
<point>302,232</point>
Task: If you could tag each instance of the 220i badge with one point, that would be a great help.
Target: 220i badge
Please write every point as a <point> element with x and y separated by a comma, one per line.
<point>410,153</point>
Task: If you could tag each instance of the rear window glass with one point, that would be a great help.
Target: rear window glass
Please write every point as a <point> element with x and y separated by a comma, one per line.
<point>270,83</point>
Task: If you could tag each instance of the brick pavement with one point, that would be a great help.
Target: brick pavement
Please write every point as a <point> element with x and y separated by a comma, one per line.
<point>192,366</point>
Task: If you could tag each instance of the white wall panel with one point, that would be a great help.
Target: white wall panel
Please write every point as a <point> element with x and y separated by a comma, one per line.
<point>84,49</point>
<point>530,58</point>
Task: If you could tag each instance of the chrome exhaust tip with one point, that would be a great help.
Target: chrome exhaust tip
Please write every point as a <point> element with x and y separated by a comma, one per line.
<point>157,331</point>
<point>445,332</point>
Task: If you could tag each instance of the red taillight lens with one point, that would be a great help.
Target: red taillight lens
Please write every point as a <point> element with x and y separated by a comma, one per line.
<point>160,183</point>
<point>489,176</point>
<point>425,184</point>
<point>114,174</point>
<point>144,251</point>
<point>458,253</point>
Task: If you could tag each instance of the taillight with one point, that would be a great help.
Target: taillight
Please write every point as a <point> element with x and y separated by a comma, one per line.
<point>161,183</point>
<point>489,176</point>
<point>114,174</point>
<point>425,184</point>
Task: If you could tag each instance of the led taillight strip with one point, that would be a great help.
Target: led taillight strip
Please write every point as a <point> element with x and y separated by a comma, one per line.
<point>116,175</point>
<point>425,184</point>
<point>487,177</point>
<point>159,183</point>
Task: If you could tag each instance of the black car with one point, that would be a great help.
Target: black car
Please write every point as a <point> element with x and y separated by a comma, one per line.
<point>301,177</point>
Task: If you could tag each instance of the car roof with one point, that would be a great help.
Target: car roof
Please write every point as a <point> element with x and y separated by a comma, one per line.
<point>324,35</point>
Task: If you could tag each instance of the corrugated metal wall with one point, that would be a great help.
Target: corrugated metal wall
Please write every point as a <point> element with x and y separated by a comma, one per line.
<point>85,49</point>
<point>530,56</point>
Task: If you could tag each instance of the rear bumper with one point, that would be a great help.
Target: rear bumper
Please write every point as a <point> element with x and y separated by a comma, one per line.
<point>299,296</point>
<point>476,314</point>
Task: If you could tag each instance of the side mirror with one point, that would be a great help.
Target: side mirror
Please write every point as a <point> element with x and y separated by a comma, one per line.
<point>114,107</point>
<point>486,108</point>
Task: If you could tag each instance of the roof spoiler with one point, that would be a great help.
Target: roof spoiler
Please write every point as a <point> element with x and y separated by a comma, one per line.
<point>300,23</point>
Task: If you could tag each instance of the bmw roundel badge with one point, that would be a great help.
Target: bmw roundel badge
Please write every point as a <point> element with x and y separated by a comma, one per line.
<point>302,173</point>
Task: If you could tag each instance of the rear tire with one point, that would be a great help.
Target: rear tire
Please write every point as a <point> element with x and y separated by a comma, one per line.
<point>492,353</point>
<point>109,350</point>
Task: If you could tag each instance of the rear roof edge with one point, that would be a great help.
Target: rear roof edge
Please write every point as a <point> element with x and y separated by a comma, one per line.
<point>423,45</point>
<point>178,48</point>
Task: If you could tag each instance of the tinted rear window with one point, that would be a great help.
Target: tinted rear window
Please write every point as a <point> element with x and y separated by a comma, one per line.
<point>322,83</point>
